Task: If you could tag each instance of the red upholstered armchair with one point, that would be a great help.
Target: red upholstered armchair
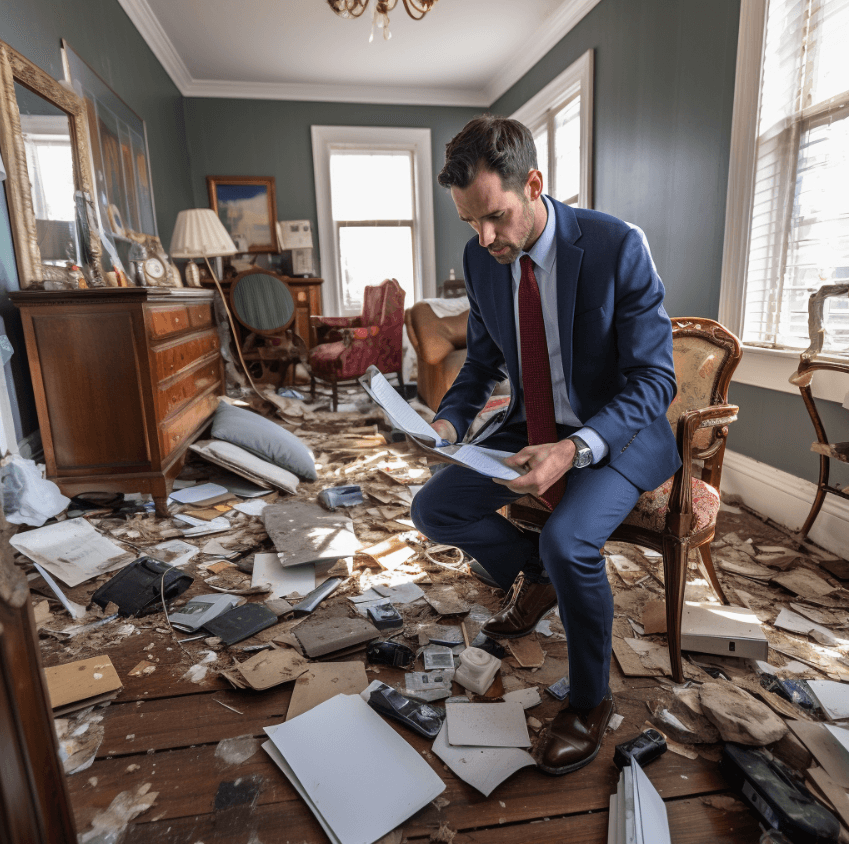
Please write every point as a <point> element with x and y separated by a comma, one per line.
<point>347,346</point>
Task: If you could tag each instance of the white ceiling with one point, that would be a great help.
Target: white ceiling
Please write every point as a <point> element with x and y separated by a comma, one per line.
<point>464,52</point>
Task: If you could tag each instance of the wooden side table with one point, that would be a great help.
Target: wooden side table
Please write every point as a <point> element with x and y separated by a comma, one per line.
<point>307,295</point>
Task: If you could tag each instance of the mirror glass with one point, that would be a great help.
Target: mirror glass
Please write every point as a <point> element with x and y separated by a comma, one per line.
<point>46,132</point>
<point>262,302</point>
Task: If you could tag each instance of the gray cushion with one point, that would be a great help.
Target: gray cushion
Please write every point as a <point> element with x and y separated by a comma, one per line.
<point>264,438</point>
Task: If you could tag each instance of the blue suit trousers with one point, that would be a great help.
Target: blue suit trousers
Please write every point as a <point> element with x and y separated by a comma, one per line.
<point>458,507</point>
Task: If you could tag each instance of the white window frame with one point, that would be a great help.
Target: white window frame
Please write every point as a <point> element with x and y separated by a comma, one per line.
<point>541,108</point>
<point>759,367</point>
<point>418,142</point>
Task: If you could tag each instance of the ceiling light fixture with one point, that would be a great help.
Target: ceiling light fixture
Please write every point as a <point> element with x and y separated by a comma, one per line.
<point>416,9</point>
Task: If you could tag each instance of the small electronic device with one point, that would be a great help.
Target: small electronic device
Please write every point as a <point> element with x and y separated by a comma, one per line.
<point>424,719</point>
<point>384,616</point>
<point>390,653</point>
<point>139,587</point>
<point>437,656</point>
<point>340,496</point>
<point>241,622</point>
<point>645,748</point>
<point>560,689</point>
<point>200,609</point>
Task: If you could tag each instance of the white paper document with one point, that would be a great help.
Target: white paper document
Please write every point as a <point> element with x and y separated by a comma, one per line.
<point>483,460</point>
<point>199,492</point>
<point>487,724</point>
<point>834,697</point>
<point>484,768</point>
<point>339,755</point>
<point>637,811</point>
<point>71,550</point>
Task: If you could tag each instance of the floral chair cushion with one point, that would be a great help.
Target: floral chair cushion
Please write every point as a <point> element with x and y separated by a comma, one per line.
<point>652,507</point>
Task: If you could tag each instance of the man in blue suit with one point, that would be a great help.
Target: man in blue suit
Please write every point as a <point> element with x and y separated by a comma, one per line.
<point>568,304</point>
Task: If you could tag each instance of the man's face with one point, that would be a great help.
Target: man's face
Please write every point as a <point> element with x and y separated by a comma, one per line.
<point>506,222</point>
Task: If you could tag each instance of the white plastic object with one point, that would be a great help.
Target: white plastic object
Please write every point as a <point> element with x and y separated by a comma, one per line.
<point>477,670</point>
<point>29,499</point>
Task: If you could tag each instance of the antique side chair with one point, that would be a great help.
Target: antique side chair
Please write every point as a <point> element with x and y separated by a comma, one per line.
<point>681,513</point>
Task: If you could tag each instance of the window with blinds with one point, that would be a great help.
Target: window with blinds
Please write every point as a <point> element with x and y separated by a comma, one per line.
<point>799,237</point>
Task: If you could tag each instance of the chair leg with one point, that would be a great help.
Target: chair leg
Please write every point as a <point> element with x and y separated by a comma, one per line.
<point>818,498</point>
<point>675,578</point>
<point>707,561</point>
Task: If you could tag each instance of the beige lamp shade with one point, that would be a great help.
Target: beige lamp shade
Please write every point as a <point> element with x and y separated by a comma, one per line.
<point>198,233</point>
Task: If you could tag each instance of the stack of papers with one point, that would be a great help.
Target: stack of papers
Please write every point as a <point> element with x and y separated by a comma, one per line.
<point>637,812</point>
<point>339,756</point>
<point>482,742</point>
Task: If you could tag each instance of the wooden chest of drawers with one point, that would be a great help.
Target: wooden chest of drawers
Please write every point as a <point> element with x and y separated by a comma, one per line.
<point>125,379</point>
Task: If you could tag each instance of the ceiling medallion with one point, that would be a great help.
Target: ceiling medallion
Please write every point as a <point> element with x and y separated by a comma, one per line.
<point>416,9</point>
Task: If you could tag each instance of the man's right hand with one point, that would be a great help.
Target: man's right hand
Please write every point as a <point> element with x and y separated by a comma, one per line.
<point>445,430</point>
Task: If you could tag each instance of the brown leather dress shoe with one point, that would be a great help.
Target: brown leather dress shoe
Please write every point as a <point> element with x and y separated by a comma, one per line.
<point>526,604</point>
<point>574,737</point>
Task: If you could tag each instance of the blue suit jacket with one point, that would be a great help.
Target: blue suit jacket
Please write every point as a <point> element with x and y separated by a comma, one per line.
<point>615,339</point>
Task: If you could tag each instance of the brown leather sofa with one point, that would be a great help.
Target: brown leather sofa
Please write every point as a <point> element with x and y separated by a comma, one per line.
<point>440,346</point>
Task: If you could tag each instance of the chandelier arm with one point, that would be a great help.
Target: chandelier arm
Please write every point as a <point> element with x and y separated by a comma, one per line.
<point>417,9</point>
<point>348,8</point>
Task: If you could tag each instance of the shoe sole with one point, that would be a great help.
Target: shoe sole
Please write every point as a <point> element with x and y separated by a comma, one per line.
<point>517,635</point>
<point>575,766</point>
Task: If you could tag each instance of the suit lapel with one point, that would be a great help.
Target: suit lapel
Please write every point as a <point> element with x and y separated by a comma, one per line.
<point>569,259</point>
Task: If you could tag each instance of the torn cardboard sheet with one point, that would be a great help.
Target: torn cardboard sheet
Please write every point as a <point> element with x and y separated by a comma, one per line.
<point>836,795</point>
<point>387,555</point>
<point>484,768</point>
<point>282,580</point>
<point>325,680</point>
<point>272,667</point>
<point>364,757</point>
<point>527,651</point>
<point>627,569</point>
<point>303,532</point>
<point>629,661</point>
<point>71,550</point>
<point>829,745</point>
<point>803,582</point>
<point>81,683</point>
<point>795,623</point>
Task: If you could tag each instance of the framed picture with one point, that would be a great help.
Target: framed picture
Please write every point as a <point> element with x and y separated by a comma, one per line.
<point>119,152</point>
<point>247,206</point>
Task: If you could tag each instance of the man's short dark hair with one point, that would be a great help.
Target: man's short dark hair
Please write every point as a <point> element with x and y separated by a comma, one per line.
<point>488,142</point>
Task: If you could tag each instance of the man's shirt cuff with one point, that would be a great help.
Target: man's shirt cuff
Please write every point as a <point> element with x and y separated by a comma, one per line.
<point>597,445</point>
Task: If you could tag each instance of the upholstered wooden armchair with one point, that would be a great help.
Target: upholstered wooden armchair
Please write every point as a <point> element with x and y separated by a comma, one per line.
<point>348,346</point>
<point>681,513</point>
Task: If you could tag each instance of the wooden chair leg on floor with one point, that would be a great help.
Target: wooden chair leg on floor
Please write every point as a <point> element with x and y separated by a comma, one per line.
<point>707,561</point>
<point>819,498</point>
<point>675,578</point>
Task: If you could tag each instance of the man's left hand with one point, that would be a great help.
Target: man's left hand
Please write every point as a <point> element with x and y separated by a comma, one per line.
<point>544,464</point>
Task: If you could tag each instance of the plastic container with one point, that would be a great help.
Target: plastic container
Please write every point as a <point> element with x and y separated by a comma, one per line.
<point>477,670</point>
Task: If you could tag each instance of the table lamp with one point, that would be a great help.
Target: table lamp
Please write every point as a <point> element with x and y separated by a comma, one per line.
<point>198,233</point>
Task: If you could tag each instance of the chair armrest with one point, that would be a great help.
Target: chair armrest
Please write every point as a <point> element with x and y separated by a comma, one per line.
<point>680,514</point>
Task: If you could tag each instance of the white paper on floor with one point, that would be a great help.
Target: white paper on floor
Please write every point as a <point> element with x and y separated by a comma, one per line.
<point>175,552</point>
<point>484,768</point>
<point>282,580</point>
<point>339,755</point>
<point>487,725</point>
<point>834,697</point>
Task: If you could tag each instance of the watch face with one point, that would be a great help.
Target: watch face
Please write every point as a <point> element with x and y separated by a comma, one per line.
<point>154,268</point>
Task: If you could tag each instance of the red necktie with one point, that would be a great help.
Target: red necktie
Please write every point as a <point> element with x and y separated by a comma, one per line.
<point>536,371</point>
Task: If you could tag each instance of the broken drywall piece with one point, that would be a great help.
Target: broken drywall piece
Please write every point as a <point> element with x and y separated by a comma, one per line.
<point>795,623</point>
<point>272,667</point>
<point>197,673</point>
<point>81,683</point>
<point>738,716</point>
<point>487,725</point>
<point>445,600</point>
<point>528,698</point>
<point>282,580</point>
<point>235,751</point>
<point>303,532</point>
<point>527,651</point>
<point>737,562</point>
<point>836,795</point>
<point>627,569</point>
<point>803,582</point>
<point>79,739</point>
<point>629,661</point>
<point>484,768</point>
<point>827,746</point>
<point>323,681</point>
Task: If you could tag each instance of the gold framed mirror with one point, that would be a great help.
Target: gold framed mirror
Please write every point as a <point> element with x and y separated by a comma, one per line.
<point>49,187</point>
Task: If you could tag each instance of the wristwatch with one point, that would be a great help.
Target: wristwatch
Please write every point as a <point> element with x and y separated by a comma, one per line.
<point>583,453</point>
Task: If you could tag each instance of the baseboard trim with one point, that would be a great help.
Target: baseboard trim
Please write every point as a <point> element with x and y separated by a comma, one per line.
<point>785,499</point>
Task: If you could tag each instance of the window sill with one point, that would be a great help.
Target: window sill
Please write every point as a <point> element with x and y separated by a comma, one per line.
<point>772,368</point>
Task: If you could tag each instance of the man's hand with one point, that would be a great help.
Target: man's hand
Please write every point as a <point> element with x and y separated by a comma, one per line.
<point>545,465</point>
<point>445,430</point>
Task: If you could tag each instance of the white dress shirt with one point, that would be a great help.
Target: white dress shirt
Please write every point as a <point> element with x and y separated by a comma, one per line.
<point>544,256</point>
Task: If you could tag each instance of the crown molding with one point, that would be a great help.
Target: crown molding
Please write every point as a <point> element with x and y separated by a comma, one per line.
<point>148,25</point>
<point>308,92</point>
<point>549,33</point>
<point>545,37</point>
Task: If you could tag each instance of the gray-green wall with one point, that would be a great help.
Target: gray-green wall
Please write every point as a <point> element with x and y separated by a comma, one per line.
<point>264,138</point>
<point>102,34</point>
<point>664,89</point>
